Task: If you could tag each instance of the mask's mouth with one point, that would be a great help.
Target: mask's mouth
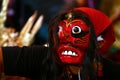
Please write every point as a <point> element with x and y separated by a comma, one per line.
<point>69,53</point>
<point>65,50</point>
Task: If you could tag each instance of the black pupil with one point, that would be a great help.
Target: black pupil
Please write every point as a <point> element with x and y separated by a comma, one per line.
<point>76,29</point>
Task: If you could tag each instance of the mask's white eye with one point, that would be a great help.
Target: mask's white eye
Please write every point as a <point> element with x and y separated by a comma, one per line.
<point>76,30</point>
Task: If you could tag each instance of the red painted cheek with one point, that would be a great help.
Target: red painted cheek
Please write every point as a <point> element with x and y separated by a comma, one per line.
<point>64,35</point>
<point>82,43</point>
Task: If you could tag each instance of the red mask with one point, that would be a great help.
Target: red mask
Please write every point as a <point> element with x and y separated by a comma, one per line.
<point>74,36</point>
<point>74,40</point>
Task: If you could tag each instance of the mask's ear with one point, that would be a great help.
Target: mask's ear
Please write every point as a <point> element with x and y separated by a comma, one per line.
<point>102,26</point>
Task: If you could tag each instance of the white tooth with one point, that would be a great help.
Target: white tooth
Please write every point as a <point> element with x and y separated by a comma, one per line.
<point>74,54</point>
<point>65,53</point>
<point>69,52</point>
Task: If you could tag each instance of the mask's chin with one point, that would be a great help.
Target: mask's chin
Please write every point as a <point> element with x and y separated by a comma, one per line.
<point>70,55</point>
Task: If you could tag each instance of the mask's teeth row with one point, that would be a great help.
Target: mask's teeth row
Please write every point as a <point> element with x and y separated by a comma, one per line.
<point>69,53</point>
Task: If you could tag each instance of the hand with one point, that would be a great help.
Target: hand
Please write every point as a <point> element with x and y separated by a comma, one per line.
<point>27,34</point>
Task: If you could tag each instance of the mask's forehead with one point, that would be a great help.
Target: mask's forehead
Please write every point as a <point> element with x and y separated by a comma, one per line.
<point>76,22</point>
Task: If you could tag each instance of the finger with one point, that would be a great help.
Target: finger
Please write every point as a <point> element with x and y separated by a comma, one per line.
<point>37,26</point>
<point>28,25</point>
<point>3,12</point>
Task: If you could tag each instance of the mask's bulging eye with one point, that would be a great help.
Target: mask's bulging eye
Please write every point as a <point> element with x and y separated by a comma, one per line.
<point>76,30</point>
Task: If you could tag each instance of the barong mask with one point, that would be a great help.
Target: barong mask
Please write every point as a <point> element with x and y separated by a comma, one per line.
<point>74,35</point>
